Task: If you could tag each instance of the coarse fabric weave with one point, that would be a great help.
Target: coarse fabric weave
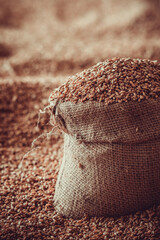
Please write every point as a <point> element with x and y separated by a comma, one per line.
<point>111,163</point>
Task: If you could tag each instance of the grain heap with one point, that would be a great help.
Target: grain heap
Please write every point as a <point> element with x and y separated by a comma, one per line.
<point>111,142</point>
<point>115,80</point>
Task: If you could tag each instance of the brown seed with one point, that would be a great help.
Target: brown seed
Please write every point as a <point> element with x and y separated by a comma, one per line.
<point>137,129</point>
<point>81,166</point>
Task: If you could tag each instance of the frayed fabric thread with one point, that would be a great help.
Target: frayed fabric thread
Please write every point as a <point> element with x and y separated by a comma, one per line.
<point>47,135</point>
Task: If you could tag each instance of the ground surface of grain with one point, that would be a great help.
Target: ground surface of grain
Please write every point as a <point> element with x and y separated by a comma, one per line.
<point>41,43</point>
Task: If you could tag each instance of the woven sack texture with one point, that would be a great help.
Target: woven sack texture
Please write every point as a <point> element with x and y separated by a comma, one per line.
<point>111,163</point>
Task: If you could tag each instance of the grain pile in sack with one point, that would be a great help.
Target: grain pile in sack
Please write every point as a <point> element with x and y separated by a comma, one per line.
<point>110,116</point>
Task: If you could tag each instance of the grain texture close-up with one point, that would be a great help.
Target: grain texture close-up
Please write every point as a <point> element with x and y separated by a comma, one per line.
<point>79,119</point>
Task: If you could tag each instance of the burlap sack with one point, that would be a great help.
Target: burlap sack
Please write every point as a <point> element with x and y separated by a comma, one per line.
<point>111,163</point>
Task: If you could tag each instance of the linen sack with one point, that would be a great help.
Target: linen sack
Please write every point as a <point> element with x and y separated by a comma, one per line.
<point>111,162</point>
